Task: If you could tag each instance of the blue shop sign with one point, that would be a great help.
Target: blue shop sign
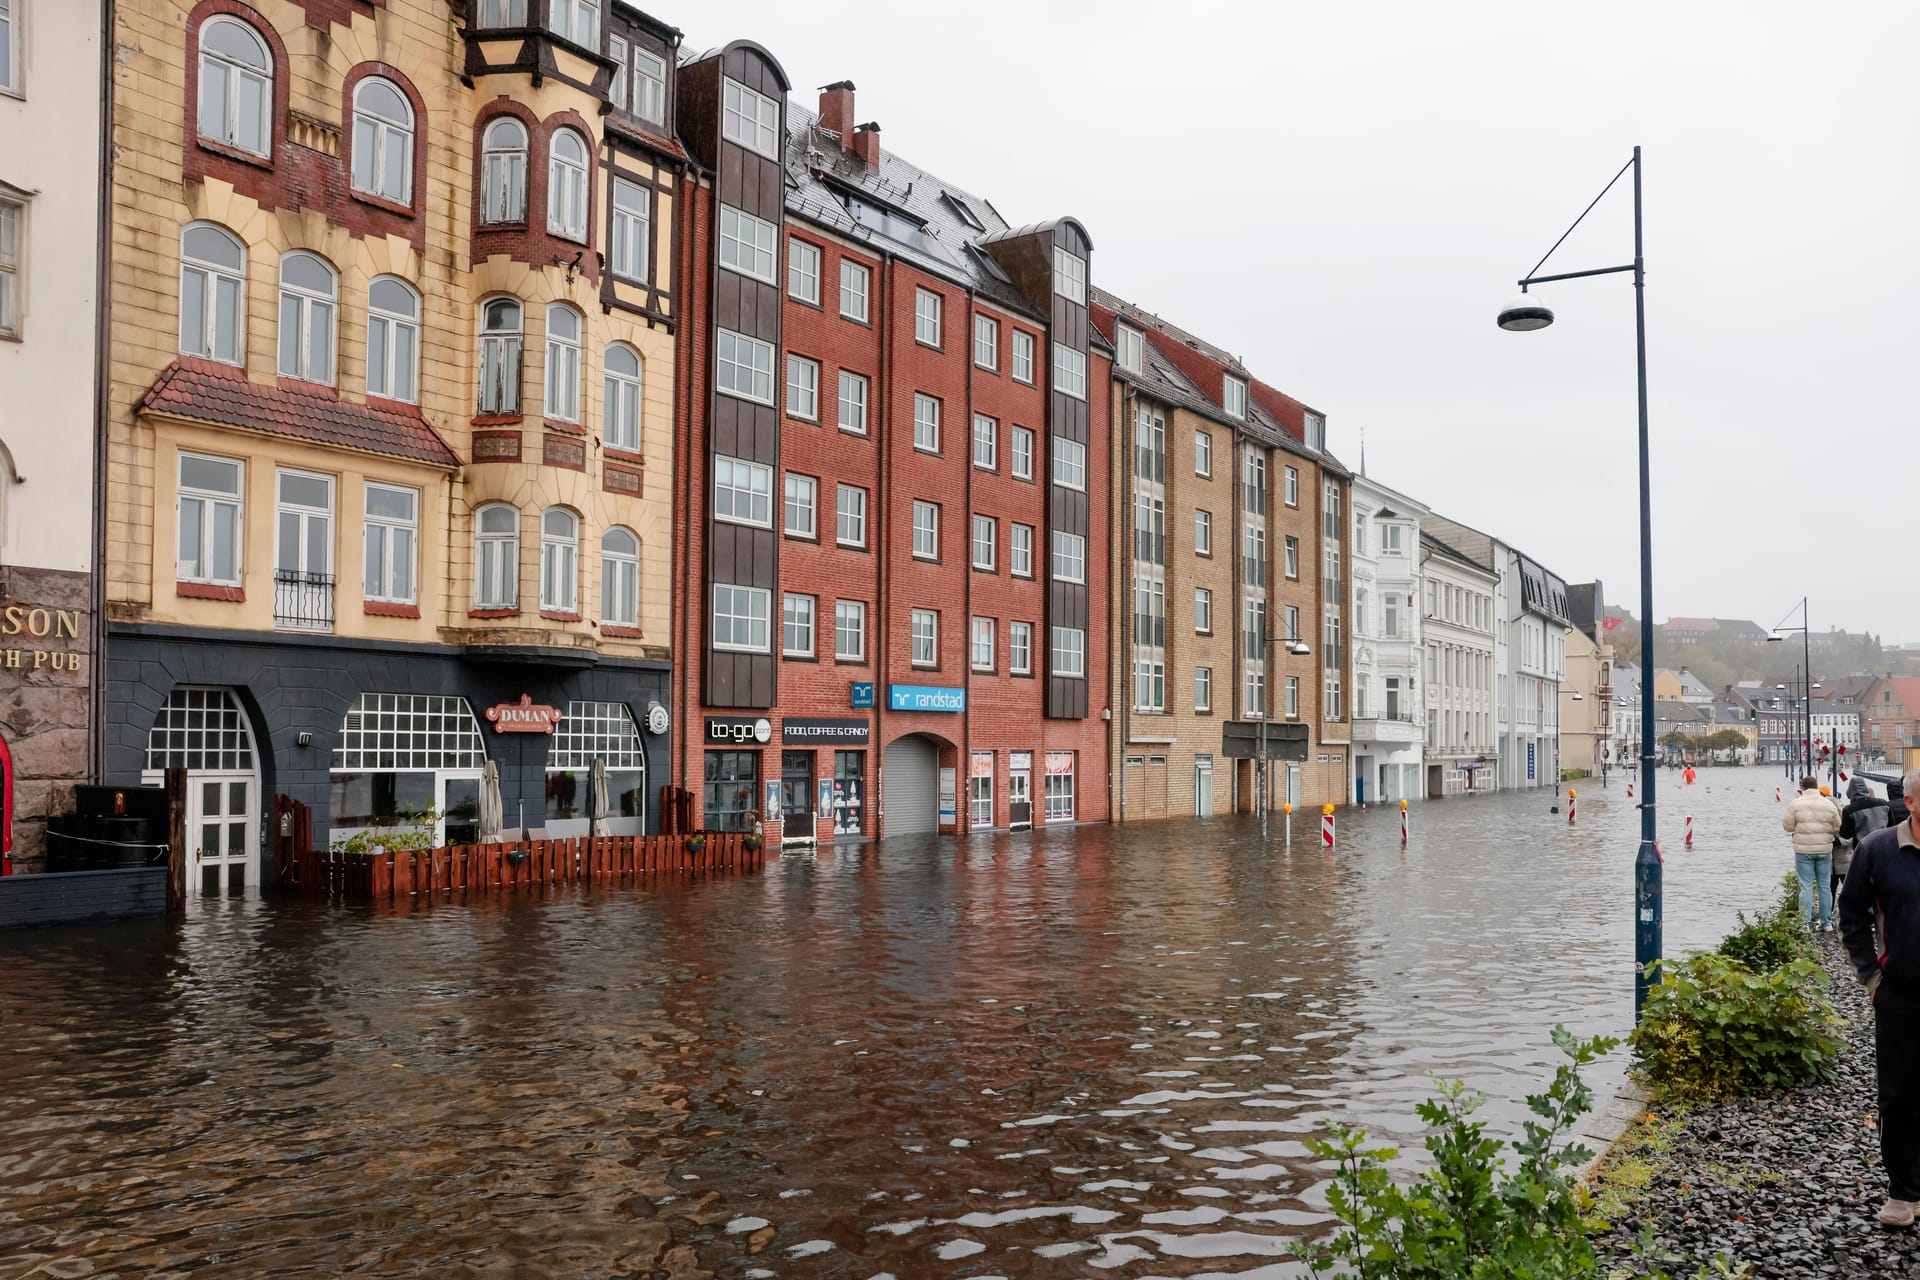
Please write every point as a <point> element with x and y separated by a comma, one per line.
<point>925,697</point>
<point>862,693</point>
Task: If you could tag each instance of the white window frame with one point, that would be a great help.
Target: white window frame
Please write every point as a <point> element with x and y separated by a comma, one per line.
<point>500,352</point>
<point>926,317</point>
<point>1316,432</point>
<point>1022,357</point>
<point>1203,611</point>
<point>1067,558</point>
<point>850,516</point>
<point>617,51</point>
<point>209,501</point>
<point>234,75</point>
<point>1069,463</point>
<point>629,255</point>
<point>1020,648</point>
<point>391,547</point>
<point>986,542</point>
<point>1203,533</point>
<point>210,275</point>
<point>739,482</point>
<point>982,646</point>
<point>856,283</point>
<point>750,607</point>
<point>397,335</point>
<point>986,342</point>
<point>797,615</point>
<point>849,619</point>
<point>925,637</point>
<point>1292,494</point>
<point>926,530</point>
<point>375,137</point>
<point>619,579</point>
<point>312,306</point>
<point>500,13</point>
<point>926,422</point>
<point>575,20</point>
<point>749,246</point>
<point>649,88</point>
<point>1233,396</point>
<point>1203,688</point>
<point>1021,442</point>
<point>1020,551</point>
<point>1130,349</point>
<point>503,172</point>
<point>560,563</point>
<point>803,271</point>
<point>1202,453</point>
<point>986,442</point>
<point>10,45</point>
<point>802,496</point>
<point>496,560</point>
<point>620,396</point>
<point>803,388</point>
<point>750,119</point>
<point>1070,371</point>
<point>567,186</point>
<point>853,397</point>
<point>1069,648</point>
<point>739,357</point>
<point>563,365</point>
<point>1069,275</point>
<point>1293,698</point>
<point>1291,551</point>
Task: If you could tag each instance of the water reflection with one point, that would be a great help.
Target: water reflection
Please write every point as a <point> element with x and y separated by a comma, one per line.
<point>1060,1053</point>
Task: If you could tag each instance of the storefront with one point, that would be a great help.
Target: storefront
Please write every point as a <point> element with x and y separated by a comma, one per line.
<point>1060,786</point>
<point>371,738</point>
<point>46,671</point>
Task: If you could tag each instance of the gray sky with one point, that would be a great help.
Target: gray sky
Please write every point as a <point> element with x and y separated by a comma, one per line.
<point>1343,194</point>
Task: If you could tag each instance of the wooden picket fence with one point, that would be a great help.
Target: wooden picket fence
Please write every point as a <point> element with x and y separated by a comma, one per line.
<point>495,868</point>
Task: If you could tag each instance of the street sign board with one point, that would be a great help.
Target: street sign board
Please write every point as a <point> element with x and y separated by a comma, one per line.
<point>1240,740</point>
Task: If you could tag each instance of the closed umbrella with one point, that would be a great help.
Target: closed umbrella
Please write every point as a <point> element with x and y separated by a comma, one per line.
<point>599,827</point>
<point>492,809</point>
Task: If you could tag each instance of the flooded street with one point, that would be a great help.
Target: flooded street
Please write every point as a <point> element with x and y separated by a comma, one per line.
<point>1073,1053</point>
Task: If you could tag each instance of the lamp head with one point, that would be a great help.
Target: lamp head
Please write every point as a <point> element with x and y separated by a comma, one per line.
<point>1299,649</point>
<point>1775,639</point>
<point>1525,314</point>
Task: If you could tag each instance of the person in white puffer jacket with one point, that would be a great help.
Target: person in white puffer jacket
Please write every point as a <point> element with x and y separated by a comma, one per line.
<point>1814,821</point>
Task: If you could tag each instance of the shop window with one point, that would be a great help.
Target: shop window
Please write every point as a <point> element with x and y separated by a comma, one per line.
<point>1059,789</point>
<point>732,787</point>
<point>202,730</point>
<point>849,792</point>
<point>603,732</point>
<point>980,790</point>
<point>408,761</point>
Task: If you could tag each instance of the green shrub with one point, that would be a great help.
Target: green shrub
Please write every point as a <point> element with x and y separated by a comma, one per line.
<point>1769,941</point>
<point>1714,1028</point>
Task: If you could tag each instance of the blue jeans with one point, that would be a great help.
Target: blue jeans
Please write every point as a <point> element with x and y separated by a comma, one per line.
<point>1815,871</point>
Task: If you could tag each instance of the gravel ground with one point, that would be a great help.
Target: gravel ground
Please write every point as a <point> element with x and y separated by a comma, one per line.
<point>1788,1183</point>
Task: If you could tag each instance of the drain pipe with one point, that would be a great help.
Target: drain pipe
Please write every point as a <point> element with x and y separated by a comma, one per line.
<point>1128,623</point>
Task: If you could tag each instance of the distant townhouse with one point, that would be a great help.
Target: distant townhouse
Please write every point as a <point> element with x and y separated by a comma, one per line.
<point>1681,686</point>
<point>1389,731</point>
<point>1458,628</point>
<point>1232,586</point>
<point>1890,717</point>
<point>1627,710</point>
<point>1587,722</point>
<point>389,421</point>
<point>52,68</point>
<point>894,438</point>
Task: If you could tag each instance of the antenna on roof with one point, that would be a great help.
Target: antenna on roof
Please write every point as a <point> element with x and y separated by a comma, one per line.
<point>1363,448</point>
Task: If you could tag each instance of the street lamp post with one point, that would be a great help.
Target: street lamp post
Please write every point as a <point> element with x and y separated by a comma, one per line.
<point>1806,659</point>
<point>1522,315</point>
<point>1299,649</point>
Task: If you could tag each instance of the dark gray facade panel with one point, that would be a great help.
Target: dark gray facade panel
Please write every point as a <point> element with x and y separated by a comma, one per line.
<point>71,897</point>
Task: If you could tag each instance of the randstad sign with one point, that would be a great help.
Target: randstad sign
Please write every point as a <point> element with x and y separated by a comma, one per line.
<point>925,697</point>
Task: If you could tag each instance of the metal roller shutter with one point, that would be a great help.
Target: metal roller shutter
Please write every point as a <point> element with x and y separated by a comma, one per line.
<point>911,789</point>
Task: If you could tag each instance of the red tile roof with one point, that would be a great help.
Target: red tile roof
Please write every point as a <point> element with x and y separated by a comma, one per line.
<point>208,391</point>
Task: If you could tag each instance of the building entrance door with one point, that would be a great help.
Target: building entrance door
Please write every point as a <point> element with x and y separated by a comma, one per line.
<point>796,796</point>
<point>1203,786</point>
<point>1020,790</point>
<point>204,731</point>
<point>223,830</point>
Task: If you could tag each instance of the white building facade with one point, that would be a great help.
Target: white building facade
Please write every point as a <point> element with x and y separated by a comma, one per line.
<point>1458,612</point>
<point>1389,733</point>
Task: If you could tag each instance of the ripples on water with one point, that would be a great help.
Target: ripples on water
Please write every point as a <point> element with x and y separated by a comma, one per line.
<point>1074,1053</point>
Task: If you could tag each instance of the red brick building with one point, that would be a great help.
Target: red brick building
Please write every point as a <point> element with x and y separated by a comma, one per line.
<point>893,419</point>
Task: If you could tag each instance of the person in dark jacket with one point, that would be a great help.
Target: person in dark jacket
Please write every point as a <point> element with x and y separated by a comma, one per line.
<point>1885,881</point>
<point>1896,803</point>
<point>1865,814</point>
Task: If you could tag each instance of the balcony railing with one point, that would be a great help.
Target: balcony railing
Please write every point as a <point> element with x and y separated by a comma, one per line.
<point>1401,717</point>
<point>302,601</point>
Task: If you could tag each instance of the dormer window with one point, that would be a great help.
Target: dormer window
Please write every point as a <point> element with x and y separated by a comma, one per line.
<point>1316,431</point>
<point>649,86</point>
<point>1233,397</point>
<point>750,119</point>
<point>1131,344</point>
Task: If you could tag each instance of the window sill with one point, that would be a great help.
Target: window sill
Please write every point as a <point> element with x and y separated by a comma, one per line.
<point>488,614</point>
<point>381,202</point>
<point>621,633</point>
<point>287,382</point>
<point>556,615</point>
<point>209,591</point>
<point>989,468</point>
<point>791,536</point>
<point>798,657</point>
<point>515,225</point>
<point>849,662</point>
<point>611,454</point>
<point>226,152</point>
<point>861,547</point>
<point>497,420</point>
<point>569,428</point>
<point>390,609</point>
<point>857,435</point>
<point>930,346</point>
<point>391,405</point>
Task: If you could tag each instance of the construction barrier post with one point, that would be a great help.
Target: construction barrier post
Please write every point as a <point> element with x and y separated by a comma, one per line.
<point>1403,822</point>
<point>1326,827</point>
<point>1571,795</point>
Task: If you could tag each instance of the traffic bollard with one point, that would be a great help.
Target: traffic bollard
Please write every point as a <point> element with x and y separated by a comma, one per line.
<point>1403,822</point>
<point>1571,796</point>
<point>1326,827</point>
<point>1689,831</point>
<point>1288,810</point>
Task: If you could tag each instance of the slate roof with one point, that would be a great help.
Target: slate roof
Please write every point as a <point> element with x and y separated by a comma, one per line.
<point>818,169</point>
<point>208,391</point>
<point>1444,549</point>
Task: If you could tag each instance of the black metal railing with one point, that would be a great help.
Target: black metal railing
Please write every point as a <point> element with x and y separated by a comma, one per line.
<point>302,601</point>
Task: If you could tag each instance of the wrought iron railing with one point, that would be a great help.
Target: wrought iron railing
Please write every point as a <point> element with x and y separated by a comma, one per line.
<point>302,601</point>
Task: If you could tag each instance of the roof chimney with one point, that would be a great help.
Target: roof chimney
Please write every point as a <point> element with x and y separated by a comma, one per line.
<point>866,144</point>
<point>836,111</point>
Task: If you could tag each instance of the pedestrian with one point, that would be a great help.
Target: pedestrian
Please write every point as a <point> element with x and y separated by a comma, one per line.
<point>1865,814</point>
<point>1886,876</point>
<point>1896,803</point>
<point>1814,821</point>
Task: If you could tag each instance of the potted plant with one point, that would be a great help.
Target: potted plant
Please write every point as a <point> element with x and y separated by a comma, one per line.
<point>754,841</point>
<point>409,832</point>
<point>697,842</point>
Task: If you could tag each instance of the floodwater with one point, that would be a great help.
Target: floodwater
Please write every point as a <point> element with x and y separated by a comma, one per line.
<point>1086,1052</point>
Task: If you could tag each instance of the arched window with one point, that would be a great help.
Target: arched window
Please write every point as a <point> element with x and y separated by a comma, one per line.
<point>213,291</point>
<point>382,141</point>
<point>602,733</point>
<point>308,293</point>
<point>496,557</point>
<point>563,363</point>
<point>503,171</point>
<point>620,578</point>
<point>393,339</point>
<point>559,560</point>
<point>567,186</point>
<point>500,356</point>
<point>622,409</point>
<point>236,86</point>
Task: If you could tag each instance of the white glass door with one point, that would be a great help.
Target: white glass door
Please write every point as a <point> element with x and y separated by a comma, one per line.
<point>223,833</point>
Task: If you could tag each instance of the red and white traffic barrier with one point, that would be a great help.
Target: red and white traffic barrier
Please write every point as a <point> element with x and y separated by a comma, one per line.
<point>1403,822</point>
<point>1689,831</point>
<point>1571,807</point>
<point>1326,827</point>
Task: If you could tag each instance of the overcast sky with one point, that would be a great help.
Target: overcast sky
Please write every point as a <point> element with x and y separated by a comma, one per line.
<point>1344,193</point>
